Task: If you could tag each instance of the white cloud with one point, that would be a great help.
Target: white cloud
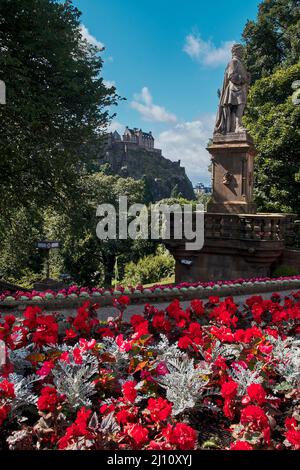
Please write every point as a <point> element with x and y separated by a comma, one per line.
<point>206,52</point>
<point>116,126</point>
<point>90,38</point>
<point>143,103</point>
<point>187,142</point>
<point>109,83</point>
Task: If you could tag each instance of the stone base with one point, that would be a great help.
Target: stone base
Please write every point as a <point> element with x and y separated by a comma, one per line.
<point>232,174</point>
<point>232,207</point>
<point>235,246</point>
<point>227,260</point>
<point>233,137</point>
<point>213,267</point>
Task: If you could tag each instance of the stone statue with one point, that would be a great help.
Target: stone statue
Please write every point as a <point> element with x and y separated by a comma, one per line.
<point>234,94</point>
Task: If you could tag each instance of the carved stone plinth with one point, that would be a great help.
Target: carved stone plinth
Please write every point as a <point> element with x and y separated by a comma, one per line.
<point>232,174</point>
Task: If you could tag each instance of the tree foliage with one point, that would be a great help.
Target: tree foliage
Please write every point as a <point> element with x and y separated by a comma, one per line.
<point>90,260</point>
<point>273,40</point>
<point>274,123</point>
<point>272,55</point>
<point>56,101</point>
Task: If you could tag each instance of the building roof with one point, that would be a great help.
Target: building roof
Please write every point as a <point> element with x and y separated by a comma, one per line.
<point>136,131</point>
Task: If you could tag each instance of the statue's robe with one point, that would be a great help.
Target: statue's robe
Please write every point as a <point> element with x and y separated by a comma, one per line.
<point>234,93</point>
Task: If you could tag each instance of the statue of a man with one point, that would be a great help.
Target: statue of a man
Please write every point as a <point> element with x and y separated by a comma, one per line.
<point>234,94</point>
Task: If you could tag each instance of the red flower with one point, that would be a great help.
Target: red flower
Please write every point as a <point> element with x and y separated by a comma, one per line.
<point>46,368</point>
<point>223,334</point>
<point>123,416</point>
<point>182,435</point>
<point>7,389</point>
<point>46,330</point>
<point>240,445</point>
<point>197,307</point>
<point>124,300</point>
<point>107,408</point>
<point>255,299</point>
<point>141,329</point>
<point>82,321</point>
<point>10,320</point>
<point>257,393</point>
<point>160,409</point>
<point>136,320</point>
<point>70,334</point>
<point>77,356</point>
<point>105,332</point>
<point>138,433</point>
<point>4,410</point>
<point>257,311</point>
<point>48,400</point>
<point>161,369</point>
<point>228,392</point>
<point>257,419</point>
<point>77,429</point>
<point>129,391</point>
<point>30,316</point>
<point>160,322</point>
<point>159,445</point>
<point>123,344</point>
<point>291,423</point>
<point>293,436</point>
<point>175,311</point>
<point>184,342</point>
<point>195,331</point>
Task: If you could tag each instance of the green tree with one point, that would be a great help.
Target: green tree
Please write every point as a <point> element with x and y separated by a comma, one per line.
<point>91,261</point>
<point>19,256</point>
<point>56,102</point>
<point>273,40</point>
<point>274,122</point>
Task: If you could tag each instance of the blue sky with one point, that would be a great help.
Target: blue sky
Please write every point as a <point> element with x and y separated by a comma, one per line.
<point>167,57</point>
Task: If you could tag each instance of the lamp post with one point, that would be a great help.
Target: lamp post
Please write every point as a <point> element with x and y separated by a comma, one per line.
<point>2,92</point>
<point>47,246</point>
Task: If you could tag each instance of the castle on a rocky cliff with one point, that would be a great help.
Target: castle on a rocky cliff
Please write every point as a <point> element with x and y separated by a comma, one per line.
<point>134,139</point>
<point>134,155</point>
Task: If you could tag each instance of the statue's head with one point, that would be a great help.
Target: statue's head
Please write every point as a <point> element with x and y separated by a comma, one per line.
<point>238,51</point>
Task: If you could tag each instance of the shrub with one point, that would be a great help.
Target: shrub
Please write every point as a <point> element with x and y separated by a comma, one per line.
<point>285,270</point>
<point>150,269</point>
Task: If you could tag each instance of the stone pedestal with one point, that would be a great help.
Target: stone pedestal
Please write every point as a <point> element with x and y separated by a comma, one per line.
<point>236,246</point>
<point>232,174</point>
<point>238,242</point>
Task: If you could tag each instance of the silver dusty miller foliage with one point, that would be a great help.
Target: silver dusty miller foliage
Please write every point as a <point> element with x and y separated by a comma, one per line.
<point>184,384</point>
<point>245,377</point>
<point>75,381</point>
<point>287,359</point>
<point>18,358</point>
<point>23,388</point>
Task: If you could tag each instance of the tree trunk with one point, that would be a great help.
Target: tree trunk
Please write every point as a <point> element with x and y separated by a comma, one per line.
<point>109,266</point>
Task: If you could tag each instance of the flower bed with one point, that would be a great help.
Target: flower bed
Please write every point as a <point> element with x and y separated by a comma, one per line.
<point>74,295</point>
<point>211,376</point>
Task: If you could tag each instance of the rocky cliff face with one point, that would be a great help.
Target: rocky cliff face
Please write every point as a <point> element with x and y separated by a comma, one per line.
<point>163,178</point>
